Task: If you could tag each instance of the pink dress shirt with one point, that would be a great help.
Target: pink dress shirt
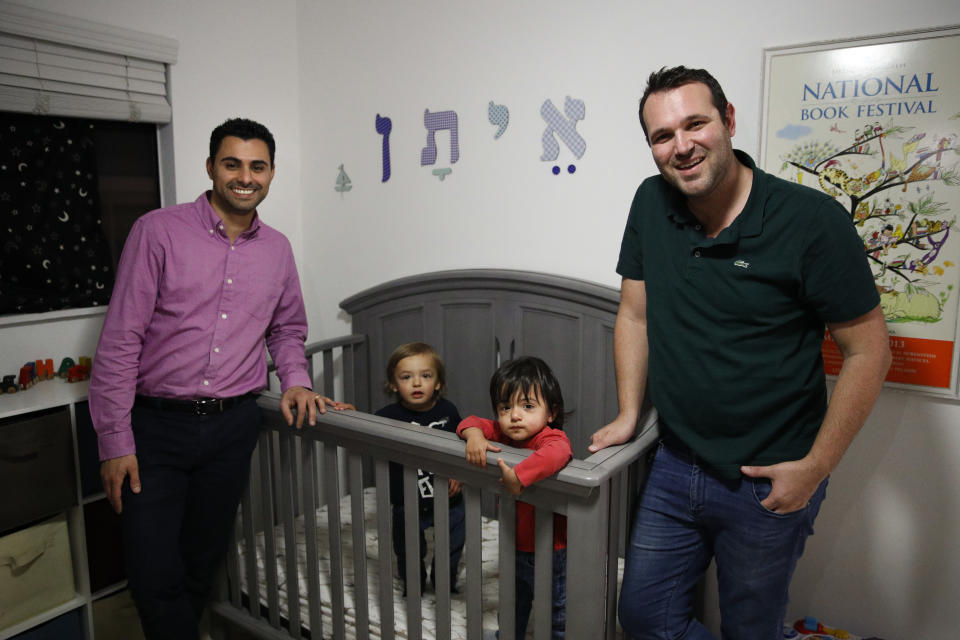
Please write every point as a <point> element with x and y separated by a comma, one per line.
<point>189,316</point>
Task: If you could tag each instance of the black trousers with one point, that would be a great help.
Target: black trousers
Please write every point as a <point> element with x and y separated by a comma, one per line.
<point>193,470</point>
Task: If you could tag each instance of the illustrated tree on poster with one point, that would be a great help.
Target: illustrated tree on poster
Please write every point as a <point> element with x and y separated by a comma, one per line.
<point>887,179</point>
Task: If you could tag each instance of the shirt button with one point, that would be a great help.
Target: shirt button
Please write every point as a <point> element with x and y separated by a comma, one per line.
<point>211,232</point>
<point>224,316</point>
<point>695,253</point>
<point>698,227</point>
<point>232,247</point>
<point>206,383</point>
<point>229,280</point>
<point>216,349</point>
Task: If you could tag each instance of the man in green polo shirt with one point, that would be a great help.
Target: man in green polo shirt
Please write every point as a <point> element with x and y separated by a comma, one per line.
<point>729,277</point>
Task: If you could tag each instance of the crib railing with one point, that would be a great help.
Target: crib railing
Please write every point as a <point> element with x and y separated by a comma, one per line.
<point>332,363</point>
<point>295,472</point>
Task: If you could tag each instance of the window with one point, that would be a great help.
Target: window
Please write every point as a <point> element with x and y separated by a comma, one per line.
<point>81,107</point>
<point>70,189</point>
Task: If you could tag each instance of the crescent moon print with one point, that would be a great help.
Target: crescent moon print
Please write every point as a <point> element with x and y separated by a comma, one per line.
<point>49,213</point>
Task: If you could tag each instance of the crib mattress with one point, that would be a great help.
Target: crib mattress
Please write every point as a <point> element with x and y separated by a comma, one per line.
<point>489,572</point>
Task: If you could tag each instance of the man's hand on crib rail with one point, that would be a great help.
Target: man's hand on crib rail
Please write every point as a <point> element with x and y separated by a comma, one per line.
<point>307,403</point>
<point>617,432</point>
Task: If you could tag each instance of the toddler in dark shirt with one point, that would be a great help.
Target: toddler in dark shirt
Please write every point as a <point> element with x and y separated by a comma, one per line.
<point>415,373</point>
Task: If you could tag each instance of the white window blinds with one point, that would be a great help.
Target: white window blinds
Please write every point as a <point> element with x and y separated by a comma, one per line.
<point>58,65</point>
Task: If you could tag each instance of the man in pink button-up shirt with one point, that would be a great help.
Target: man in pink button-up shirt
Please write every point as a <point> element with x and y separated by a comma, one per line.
<point>201,287</point>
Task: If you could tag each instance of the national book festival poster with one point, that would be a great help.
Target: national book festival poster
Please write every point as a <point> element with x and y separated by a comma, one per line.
<point>875,123</point>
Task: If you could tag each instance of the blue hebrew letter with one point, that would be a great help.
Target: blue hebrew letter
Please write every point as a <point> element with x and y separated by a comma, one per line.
<point>564,128</point>
<point>435,121</point>
<point>498,114</point>
<point>384,126</point>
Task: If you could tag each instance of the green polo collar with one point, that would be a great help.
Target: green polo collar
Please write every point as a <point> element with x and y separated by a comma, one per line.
<point>746,225</point>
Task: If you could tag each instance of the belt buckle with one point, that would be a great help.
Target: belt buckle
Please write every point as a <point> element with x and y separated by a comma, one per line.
<point>206,407</point>
<point>198,408</point>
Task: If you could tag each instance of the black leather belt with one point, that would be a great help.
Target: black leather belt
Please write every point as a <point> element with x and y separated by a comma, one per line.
<point>197,407</point>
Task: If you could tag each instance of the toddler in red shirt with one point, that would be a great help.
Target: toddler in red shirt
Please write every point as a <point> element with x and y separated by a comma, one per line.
<point>527,401</point>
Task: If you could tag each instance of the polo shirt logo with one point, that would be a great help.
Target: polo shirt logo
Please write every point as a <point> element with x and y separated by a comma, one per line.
<point>742,264</point>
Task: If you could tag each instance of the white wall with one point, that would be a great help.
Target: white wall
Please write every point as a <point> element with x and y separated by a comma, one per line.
<point>885,559</point>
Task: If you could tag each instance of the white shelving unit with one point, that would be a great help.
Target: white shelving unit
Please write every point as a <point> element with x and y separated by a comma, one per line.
<point>50,394</point>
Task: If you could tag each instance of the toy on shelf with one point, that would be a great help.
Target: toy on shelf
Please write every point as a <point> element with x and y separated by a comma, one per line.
<point>80,371</point>
<point>28,375</point>
<point>65,365</point>
<point>45,369</point>
<point>77,373</point>
<point>9,384</point>
<point>38,370</point>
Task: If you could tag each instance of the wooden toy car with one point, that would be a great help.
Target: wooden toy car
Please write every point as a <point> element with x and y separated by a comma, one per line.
<point>65,365</point>
<point>9,384</point>
<point>45,369</point>
<point>78,373</point>
<point>28,375</point>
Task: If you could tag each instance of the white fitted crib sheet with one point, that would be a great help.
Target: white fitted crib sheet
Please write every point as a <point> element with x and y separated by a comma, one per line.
<point>489,571</point>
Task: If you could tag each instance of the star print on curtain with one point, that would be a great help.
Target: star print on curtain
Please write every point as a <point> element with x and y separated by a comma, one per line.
<point>54,253</point>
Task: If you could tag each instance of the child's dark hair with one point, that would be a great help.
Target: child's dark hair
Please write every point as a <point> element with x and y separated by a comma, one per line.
<point>415,349</point>
<point>531,376</point>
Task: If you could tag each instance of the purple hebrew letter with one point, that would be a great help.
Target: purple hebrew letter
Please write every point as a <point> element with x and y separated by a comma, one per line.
<point>564,128</point>
<point>499,115</point>
<point>435,121</point>
<point>384,126</point>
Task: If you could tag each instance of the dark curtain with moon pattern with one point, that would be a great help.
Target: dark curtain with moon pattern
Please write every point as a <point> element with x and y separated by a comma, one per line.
<point>55,252</point>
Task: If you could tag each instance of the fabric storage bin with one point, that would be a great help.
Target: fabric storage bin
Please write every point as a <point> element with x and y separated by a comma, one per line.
<point>36,572</point>
<point>69,626</point>
<point>36,467</point>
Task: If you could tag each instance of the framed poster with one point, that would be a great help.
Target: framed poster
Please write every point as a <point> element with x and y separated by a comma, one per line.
<point>875,123</point>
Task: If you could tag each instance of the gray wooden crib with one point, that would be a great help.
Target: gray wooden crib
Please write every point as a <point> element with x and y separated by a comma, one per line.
<point>315,521</point>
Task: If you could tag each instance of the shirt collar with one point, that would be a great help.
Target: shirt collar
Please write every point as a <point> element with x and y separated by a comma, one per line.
<point>751,218</point>
<point>211,220</point>
<point>750,221</point>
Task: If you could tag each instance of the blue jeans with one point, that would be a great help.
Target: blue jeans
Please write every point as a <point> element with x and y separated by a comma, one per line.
<point>688,516</point>
<point>525,576</point>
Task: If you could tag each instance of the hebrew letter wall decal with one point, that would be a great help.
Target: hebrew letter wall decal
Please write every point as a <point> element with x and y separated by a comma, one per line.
<point>435,121</point>
<point>564,128</point>
<point>384,126</point>
<point>498,114</point>
<point>344,183</point>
